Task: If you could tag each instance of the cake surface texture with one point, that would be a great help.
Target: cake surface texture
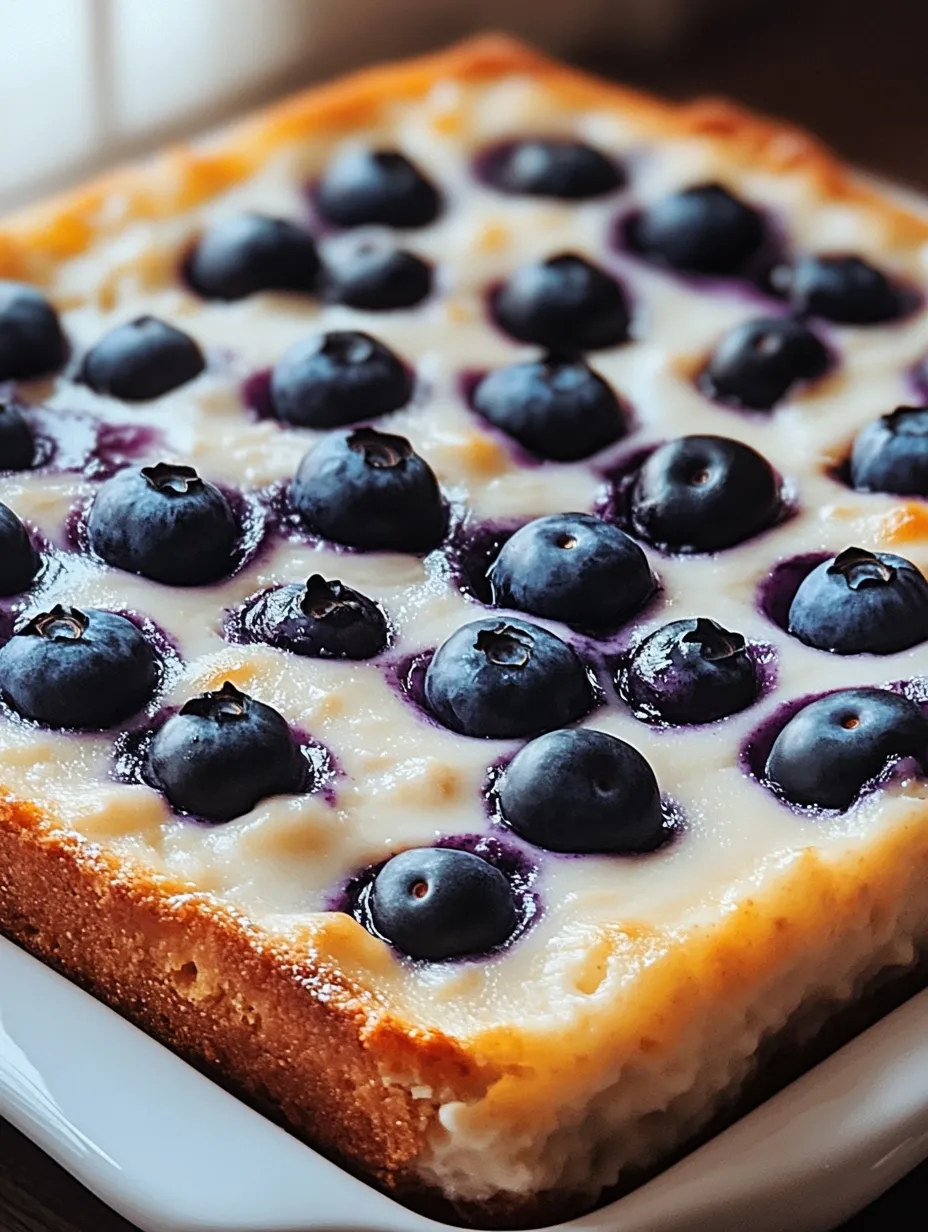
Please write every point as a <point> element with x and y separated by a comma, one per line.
<point>464,619</point>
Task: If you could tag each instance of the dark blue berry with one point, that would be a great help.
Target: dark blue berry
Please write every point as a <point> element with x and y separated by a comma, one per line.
<point>321,619</point>
<point>555,408</point>
<point>370,490</point>
<point>249,253</point>
<point>565,304</point>
<point>572,567</point>
<point>19,561</point>
<point>165,523</point>
<point>832,747</point>
<point>142,359</point>
<point>223,753</point>
<point>760,362</point>
<point>861,603</point>
<point>699,230</point>
<point>550,167</point>
<point>437,903</point>
<point>703,494</point>
<point>331,380</point>
<point>376,186</point>
<point>690,671</point>
<point>844,289</point>
<point>31,339</point>
<point>891,454</point>
<point>83,669</point>
<point>582,791</point>
<point>375,276</point>
<point>506,678</point>
<point>17,444</point>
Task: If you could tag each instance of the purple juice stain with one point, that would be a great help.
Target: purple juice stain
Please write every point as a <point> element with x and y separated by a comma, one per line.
<point>256,394</point>
<point>777,591</point>
<point>471,549</point>
<point>119,445</point>
<point>406,675</point>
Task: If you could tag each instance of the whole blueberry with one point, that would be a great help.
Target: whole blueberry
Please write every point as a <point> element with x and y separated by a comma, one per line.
<point>141,360</point>
<point>330,380</point>
<point>550,167</point>
<point>19,561</point>
<point>579,790</point>
<point>572,567</point>
<point>437,903</point>
<point>699,230</point>
<point>843,289</point>
<point>760,362</point>
<point>564,303</point>
<point>365,187</point>
<point>17,444</point>
<point>503,679</point>
<point>375,277</point>
<point>891,454</point>
<point>833,746</point>
<point>32,342</point>
<point>82,669</point>
<point>252,252</point>
<point>165,523</point>
<point>223,753</point>
<point>558,409</point>
<point>703,494</point>
<point>370,490</point>
<point>321,619</point>
<point>690,671</point>
<point>861,602</point>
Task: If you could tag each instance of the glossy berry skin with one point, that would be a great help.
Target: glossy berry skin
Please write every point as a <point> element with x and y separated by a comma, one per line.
<point>19,561</point>
<point>572,567</point>
<point>690,671</point>
<point>376,277</point>
<point>550,167</point>
<point>370,490</point>
<point>81,669</point>
<point>141,360</point>
<point>761,362</point>
<point>832,747</point>
<point>223,753</point>
<point>320,619</point>
<point>557,409</point>
<point>582,791</point>
<point>248,253</point>
<point>699,230</point>
<point>703,494</point>
<point>565,304</point>
<point>891,454</point>
<point>165,523</point>
<point>843,289</point>
<point>31,339</point>
<point>436,903</point>
<point>502,679</point>
<point>861,602</point>
<point>369,187</point>
<point>17,444</point>
<point>331,380</point>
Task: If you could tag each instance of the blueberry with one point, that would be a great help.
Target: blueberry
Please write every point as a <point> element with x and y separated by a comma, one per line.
<point>833,746</point>
<point>17,444</point>
<point>891,454</point>
<point>861,602</point>
<point>321,619</point>
<point>437,903</point>
<point>557,409</point>
<point>251,252</point>
<point>703,493</point>
<point>690,671</point>
<point>760,362</point>
<point>376,186</point>
<point>582,791</point>
<point>31,339</point>
<point>550,167</point>
<point>223,753</point>
<point>330,380</point>
<point>843,289</point>
<point>69,668</point>
<point>141,360</point>
<point>506,678</point>
<point>575,568</point>
<point>375,277</point>
<point>19,561</point>
<point>370,490</point>
<point>165,523</point>
<point>564,303</point>
<point>699,230</point>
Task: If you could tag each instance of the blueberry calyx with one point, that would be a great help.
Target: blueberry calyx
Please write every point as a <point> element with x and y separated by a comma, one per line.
<point>505,646</point>
<point>59,624</point>
<point>172,478</point>
<point>860,568</point>
<point>380,450</point>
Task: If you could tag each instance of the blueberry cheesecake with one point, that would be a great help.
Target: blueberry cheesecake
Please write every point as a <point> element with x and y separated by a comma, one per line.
<point>464,615</point>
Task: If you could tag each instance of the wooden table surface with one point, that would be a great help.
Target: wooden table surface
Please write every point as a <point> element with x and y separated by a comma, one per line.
<point>854,73</point>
